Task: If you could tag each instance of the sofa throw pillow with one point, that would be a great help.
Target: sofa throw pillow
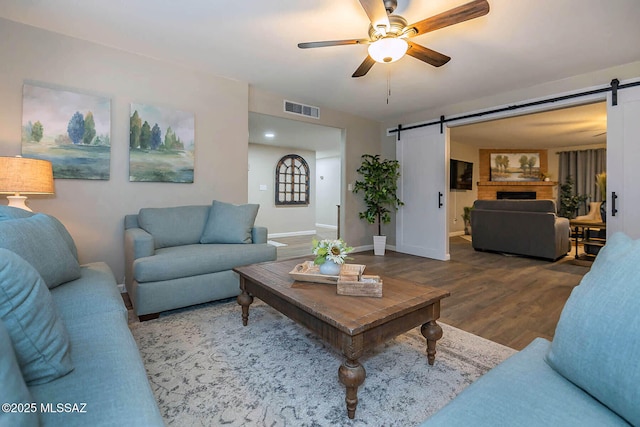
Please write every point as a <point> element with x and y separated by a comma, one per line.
<point>596,343</point>
<point>228,223</point>
<point>39,337</point>
<point>64,233</point>
<point>13,389</point>
<point>37,239</point>
<point>176,226</point>
<point>9,212</point>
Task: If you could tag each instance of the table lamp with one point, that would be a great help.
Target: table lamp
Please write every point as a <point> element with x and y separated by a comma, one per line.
<point>21,175</point>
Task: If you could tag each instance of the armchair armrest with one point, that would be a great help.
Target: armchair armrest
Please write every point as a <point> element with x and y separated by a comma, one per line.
<point>259,234</point>
<point>137,244</point>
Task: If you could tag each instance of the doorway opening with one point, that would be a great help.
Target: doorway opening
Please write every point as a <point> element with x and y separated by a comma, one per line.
<point>291,228</point>
<point>573,128</point>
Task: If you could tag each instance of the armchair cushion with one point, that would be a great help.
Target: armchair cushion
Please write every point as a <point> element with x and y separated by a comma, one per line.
<point>229,223</point>
<point>38,240</point>
<point>181,225</point>
<point>39,337</point>
<point>595,344</point>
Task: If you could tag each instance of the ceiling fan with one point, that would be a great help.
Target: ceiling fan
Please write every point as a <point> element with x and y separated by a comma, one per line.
<point>389,33</point>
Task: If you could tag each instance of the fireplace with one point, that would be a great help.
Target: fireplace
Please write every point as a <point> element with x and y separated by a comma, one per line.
<point>529,195</point>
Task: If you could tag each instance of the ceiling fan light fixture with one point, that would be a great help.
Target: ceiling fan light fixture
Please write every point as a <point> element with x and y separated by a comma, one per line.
<point>388,49</point>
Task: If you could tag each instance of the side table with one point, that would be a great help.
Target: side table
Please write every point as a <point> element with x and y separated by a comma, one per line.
<point>581,233</point>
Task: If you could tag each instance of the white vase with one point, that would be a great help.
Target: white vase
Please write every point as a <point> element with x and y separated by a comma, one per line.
<point>379,243</point>
<point>330,268</point>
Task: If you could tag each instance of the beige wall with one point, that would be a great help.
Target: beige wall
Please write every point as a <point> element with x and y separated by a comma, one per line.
<point>93,211</point>
<point>279,219</point>
<point>359,136</point>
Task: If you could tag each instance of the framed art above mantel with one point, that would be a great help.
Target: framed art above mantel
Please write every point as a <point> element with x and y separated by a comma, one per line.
<point>516,166</point>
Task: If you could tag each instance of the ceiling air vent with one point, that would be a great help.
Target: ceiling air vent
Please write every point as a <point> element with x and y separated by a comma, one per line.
<point>301,109</point>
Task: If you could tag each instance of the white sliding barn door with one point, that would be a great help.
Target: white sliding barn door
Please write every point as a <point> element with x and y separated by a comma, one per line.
<point>623,162</point>
<point>421,224</point>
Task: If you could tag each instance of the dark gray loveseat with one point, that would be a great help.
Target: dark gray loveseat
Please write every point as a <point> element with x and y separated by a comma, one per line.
<point>522,227</point>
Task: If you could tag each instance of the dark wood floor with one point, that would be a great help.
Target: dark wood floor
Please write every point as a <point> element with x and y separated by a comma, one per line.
<point>507,299</point>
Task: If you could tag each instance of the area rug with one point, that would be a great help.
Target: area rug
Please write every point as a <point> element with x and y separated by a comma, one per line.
<point>206,369</point>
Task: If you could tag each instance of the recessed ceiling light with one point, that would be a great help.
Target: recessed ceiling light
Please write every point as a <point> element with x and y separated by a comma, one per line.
<point>269,135</point>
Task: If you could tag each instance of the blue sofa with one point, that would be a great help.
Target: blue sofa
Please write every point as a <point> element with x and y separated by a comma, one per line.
<point>181,256</point>
<point>67,357</point>
<point>588,376</point>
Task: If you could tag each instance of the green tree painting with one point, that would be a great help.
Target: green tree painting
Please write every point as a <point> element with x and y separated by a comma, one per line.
<point>161,144</point>
<point>70,129</point>
<point>89,129</point>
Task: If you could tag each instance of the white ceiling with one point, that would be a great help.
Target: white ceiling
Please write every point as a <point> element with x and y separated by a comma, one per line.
<point>518,44</point>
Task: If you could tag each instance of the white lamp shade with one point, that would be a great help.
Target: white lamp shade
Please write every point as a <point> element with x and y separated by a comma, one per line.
<point>388,49</point>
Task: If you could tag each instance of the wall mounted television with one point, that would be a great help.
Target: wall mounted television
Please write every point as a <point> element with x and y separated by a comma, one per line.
<point>461,175</point>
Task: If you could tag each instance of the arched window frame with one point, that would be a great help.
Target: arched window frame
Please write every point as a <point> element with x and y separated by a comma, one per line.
<point>292,181</point>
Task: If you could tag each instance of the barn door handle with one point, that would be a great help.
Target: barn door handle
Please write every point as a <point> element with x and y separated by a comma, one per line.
<point>440,199</point>
<point>614,196</point>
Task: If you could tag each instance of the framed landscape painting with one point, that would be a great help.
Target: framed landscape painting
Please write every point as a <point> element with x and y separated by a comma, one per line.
<point>515,167</point>
<point>161,144</point>
<point>70,129</point>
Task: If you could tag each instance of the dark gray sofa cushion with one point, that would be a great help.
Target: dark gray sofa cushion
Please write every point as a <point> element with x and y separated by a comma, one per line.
<point>539,205</point>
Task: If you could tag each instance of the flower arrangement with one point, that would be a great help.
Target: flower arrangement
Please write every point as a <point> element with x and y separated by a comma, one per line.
<point>332,250</point>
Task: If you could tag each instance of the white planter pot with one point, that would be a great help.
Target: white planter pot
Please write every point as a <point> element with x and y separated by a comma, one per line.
<point>379,243</point>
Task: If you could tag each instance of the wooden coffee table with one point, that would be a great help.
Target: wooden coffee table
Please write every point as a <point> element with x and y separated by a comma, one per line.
<point>350,324</point>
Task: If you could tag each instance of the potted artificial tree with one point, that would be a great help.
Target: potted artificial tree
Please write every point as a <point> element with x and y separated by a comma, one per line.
<point>379,185</point>
<point>466,217</point>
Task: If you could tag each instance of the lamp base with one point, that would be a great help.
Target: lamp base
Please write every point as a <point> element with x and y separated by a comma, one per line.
<point>18,202</point>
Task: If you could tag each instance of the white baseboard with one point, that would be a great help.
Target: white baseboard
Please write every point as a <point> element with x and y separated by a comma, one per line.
<point>327,226</point>
<point>456,233</point>
<point>122,288</point>
<point>292,234</point>
<point>370,248</point>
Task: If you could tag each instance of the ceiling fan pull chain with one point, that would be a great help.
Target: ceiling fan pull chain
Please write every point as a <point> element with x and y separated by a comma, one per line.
<point>388,85</point>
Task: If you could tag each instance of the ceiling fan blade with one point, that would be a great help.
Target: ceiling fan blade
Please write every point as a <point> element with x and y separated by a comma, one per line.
<point>309,45</point>
<point>429,56</point>
<point>364,67</point>
<point>468,11</point>
<point>376,12</point>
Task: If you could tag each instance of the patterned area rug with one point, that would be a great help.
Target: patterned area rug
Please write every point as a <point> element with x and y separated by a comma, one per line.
<point>206,369</point>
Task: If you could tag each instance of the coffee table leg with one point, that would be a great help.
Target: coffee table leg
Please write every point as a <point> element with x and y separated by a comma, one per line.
<point>245,300</point>
<point>351,374</point>
<point>432,332</point>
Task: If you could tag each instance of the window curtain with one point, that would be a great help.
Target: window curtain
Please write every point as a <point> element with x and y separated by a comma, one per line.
<point>582,166</point>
